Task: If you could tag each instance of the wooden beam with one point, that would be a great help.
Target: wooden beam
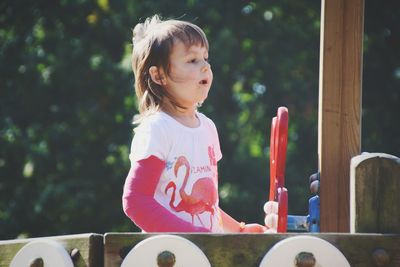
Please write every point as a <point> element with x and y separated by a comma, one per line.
<point>225,250</point>
<point>339,120</point>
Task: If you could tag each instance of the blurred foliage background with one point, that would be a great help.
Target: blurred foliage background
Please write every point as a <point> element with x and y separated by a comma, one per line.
<point>67,101</point>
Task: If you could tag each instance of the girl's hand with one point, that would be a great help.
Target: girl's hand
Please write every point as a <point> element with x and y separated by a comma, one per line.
<point>253,228</point>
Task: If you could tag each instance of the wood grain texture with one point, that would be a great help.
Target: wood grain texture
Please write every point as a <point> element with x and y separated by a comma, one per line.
<point>375,187</point>
<point>339,121</point>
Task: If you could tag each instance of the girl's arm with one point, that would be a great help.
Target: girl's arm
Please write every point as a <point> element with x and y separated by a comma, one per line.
<point>229,224</point>
<point>139,203</point>
<point>233,226</point>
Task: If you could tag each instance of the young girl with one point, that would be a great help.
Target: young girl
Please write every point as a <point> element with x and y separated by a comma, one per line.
<point>172,185</point>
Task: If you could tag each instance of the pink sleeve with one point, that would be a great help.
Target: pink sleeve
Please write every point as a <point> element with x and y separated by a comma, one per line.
<point>139,203</point>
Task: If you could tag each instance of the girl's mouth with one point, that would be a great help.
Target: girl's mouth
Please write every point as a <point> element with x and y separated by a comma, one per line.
<point>203,82</point>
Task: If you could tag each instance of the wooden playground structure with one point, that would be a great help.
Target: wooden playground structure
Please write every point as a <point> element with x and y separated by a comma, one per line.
<point>360,203</point>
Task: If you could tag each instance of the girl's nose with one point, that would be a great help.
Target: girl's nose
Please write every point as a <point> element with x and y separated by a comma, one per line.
<point>206,67</point>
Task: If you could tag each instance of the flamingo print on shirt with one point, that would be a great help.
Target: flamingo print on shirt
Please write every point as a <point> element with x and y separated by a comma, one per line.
<point>202,198</point>
<point>211,156</point>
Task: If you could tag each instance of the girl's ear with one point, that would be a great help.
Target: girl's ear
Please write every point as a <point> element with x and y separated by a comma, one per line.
<point>157,75</point>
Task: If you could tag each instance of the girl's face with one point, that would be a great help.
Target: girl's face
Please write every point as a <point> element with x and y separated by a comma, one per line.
<point>190,76</point>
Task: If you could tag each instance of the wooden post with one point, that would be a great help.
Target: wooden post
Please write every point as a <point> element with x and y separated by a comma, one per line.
<point>339,120</point>
<point>375,198</point>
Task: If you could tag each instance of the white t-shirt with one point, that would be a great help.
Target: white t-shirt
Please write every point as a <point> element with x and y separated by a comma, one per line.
<point>188,186</point>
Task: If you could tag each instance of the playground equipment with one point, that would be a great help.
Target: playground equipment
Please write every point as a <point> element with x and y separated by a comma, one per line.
<point>51,253</point>
<point>278,194</point>
<point>374,188</point>
<point>204,250</point>
<point>313,217</point>
<point>304,251</point>
<point>168,250</point>
<point>276,209</point>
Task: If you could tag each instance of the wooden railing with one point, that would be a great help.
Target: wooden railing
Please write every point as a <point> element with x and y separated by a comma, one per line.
<point>221,250</point>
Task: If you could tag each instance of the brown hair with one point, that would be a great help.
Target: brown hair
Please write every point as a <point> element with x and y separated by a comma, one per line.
<point>152,45</point>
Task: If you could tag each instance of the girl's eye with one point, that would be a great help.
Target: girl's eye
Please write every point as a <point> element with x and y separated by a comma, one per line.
<point>195,60</point>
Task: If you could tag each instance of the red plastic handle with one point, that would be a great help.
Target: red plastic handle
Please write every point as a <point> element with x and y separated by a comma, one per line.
<point>272,162</point>
<point>278,147</point>
<point>281,144</point>
<point>282,209</point>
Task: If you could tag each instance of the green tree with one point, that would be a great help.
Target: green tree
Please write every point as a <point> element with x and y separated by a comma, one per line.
<point>381,78</point>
